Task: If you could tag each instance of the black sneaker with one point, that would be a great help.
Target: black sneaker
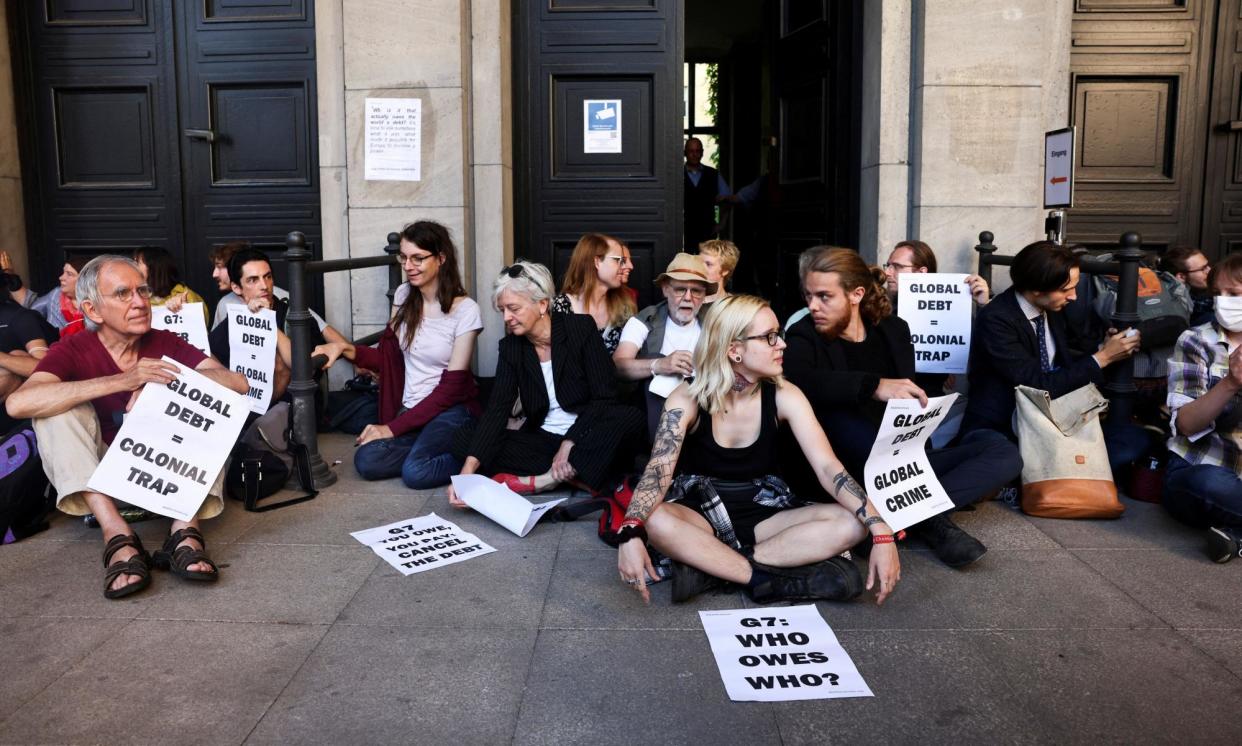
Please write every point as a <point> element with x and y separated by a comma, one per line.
<point>1223,544</point>
<point>689,582</point>
<point>834,579</point>
<point>951,544</point>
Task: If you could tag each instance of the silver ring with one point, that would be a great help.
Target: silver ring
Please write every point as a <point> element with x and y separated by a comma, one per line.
<point>631,581</point>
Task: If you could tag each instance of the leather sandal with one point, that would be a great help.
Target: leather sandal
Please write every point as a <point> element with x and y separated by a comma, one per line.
<point>139,564</point>
<point>179,558</point>
<point>520,485</point>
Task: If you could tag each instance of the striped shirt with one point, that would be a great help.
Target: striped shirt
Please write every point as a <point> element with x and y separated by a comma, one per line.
<point>1200,360</point>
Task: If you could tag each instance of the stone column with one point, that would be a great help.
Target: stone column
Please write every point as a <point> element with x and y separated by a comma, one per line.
<point>12,213</point>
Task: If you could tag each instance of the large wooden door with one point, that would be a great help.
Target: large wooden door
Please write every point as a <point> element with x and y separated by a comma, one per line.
<point>1139,94</point>
<point>568,51</point>
<point>1222,199</point>
<point>173,124</point>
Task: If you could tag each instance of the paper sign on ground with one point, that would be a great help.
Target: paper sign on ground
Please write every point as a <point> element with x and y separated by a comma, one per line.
<point>939,309</point>
<point>501,504</point>
<point>780,654</point>
<point>601,126</point>
<point>900,480</point>
<point>172,445</point>
<point>252,351</point>
<point>393,134</point>
<point>423,543</point>
<point>189,323</point>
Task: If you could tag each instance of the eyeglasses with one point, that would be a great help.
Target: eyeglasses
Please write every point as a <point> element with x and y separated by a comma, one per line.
<point>771,337</point>
<point>1204,268</point>
<point>514,271</point>
<point>621,260</point>
<point>125,295</point>
<point>895,265</point>
<point>415,259</point>
<point>690,290</point>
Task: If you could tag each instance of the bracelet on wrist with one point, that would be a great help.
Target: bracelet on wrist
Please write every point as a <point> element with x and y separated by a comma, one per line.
<point>654,360</point>
<point>888,538</point>
<point>631,529</point>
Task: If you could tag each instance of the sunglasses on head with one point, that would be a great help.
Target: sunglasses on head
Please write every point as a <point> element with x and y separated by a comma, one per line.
<point>513,270</point>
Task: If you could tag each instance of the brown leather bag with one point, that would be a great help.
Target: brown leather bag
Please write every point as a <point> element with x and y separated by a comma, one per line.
<point>1065,469</point>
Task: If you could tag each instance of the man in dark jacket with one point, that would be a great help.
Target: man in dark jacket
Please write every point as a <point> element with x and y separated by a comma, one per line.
<point>850,356</point>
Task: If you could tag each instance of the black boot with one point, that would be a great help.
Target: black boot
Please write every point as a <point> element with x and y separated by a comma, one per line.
<point>834,579</point>
<point>951,544</point>
<point>689,582</point>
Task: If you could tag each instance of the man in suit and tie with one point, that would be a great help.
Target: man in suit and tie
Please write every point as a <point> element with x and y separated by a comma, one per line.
<point>1021,339</point>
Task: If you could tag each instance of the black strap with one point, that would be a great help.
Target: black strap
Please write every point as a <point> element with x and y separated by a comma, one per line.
<point>301,467</point>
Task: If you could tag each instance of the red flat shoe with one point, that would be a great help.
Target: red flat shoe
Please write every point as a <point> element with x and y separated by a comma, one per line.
<point>520,485</point>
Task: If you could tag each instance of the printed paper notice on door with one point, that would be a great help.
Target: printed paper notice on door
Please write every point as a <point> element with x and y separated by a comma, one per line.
<point>899,478</point>
<point>601,125</point>
<point>393,139</point>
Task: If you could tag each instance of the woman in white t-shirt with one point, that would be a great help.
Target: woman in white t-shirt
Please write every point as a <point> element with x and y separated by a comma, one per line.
<point>595,285</point>
<point>423,359</point>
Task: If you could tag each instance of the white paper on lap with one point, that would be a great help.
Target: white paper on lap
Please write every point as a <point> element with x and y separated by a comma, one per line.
<point>423,543</point>
<point>172,445</point>
<point>899,478</point>
<point>662,385</point>
<point>780,654</point>
<point>501,504</point>
<point>252,351</point>
<point>188,323</point>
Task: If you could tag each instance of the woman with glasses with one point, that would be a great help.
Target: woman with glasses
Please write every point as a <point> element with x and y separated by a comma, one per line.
<point>711,498</point>
<point>555,364</point>
<point>426,389</point>
<point>595,285</point>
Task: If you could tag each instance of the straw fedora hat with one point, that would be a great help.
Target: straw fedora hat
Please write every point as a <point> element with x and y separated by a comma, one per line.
<point>687,268</point>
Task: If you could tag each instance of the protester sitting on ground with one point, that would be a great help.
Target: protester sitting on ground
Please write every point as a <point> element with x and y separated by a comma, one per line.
<point>720,257</point>
<point>660,339</point>
<point>77,397</point>
<point>220,256</point>
<point>851,356</point>
<point>1202,486</point>
<point>574,430</point>
<point>1191,267</point>
<point>59,306</point>
<point>24,339</point>
<point>595,285</point>
<point>711,499</point>
<point>159,269</point>
<point>1020,340</point>
<point>916,256</point>
<point>427,391</point>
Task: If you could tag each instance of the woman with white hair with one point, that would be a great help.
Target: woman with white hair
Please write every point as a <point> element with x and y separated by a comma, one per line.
<point>710,499</point>
<point>556,365</point>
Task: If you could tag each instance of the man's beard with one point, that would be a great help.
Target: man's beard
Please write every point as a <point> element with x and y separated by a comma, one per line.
<point>833,329</point>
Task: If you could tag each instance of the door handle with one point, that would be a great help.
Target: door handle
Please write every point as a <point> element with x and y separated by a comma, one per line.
<point>208,135</point>
<point>1231,126</point>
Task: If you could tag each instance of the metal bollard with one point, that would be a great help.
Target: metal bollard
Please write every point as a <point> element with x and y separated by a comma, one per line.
<point>986,249</point>
<point>1120,383</point>
<point>302,388</point>
<point>393,249</point>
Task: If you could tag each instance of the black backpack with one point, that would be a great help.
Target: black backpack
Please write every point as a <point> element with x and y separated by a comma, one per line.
<point>26,496</point>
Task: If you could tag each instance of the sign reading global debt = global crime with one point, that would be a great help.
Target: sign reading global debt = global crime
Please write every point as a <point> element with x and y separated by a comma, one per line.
<point>899,478</point>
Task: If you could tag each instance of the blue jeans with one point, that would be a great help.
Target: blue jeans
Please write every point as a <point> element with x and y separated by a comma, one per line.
<point>1202,495</point>
<point>423,458</point>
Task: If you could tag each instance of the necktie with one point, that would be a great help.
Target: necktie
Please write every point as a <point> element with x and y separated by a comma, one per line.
<point>1044,363</point>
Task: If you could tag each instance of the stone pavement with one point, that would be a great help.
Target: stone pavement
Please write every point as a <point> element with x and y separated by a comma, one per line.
<point>1066,632</point>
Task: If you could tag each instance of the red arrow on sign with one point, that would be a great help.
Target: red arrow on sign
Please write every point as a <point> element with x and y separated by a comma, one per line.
<point>1058,179</point>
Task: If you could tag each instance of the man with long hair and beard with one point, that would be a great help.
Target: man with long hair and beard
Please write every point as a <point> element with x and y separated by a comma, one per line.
<point>851,355</point>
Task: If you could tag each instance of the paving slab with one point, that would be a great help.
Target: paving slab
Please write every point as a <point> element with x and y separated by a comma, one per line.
<point>587,593</point>
<point>1143,526</point>
<point>37,652</point>
<point>544,535</point>
<point>264,583</point>
<point>1223,645</point>
<point>929,686</point>
<point>999,527</point>
<point>502,589</point>
<point>663,688</point>
<point>1118,686</point>
<point>393,685</point>
<point>1181,586</point>
<point>45,578</point>
<point>331,517</point>
<point>168,682</point>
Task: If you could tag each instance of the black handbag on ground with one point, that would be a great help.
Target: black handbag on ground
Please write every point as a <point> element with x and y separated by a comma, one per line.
<point>265,458</point>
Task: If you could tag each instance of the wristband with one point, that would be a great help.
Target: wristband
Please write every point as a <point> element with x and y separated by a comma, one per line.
<point>631,529</point>
<point>888,538</point>
<point>654,360</point>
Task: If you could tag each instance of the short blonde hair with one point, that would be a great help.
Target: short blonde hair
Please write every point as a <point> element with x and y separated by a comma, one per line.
<point>525,278</point>
<point>726,251</point>
<point>726,322</point>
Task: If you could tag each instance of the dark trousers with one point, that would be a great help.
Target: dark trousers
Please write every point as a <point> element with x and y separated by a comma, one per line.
<point>423,458</point>
<point>604,450</point>
<point>1202,495</point>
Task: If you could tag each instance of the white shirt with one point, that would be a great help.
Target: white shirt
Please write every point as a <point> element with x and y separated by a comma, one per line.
<point>1032,313</point>
<point>428,355</point>
<point>558,420</point>
<point>676,337</point>
<point>234,298</point>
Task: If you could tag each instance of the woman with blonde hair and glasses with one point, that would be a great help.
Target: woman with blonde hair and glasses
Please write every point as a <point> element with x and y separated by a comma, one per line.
<point>711,499</point>
<point>595,285</point>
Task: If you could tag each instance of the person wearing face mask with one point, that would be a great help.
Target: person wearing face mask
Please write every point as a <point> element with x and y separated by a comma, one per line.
<point>657,345</point>
<point>1202,486</point>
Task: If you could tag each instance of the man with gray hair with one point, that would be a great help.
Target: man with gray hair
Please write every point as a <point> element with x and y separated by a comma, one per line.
<point>77,397</point>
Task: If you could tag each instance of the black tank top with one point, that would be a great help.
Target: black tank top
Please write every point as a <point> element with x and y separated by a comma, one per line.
<point>703,456</point>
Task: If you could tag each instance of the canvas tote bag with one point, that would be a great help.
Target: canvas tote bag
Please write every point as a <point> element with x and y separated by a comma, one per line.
<point>1065,470</point>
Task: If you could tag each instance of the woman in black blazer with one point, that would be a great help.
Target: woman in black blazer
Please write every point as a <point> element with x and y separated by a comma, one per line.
<point>555,364</point>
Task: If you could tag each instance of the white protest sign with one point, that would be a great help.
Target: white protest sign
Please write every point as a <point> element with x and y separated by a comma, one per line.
<point>780,654</point>
<point>501,504</point>
<point>662,385</point>
<point>938,308</point>
<point>423,543</point>
<point>189,323</point>
<point>393,139</point>
<point>900,480</point>
<point>252,351</point>
<point>1059,168</point>
<point>172,445</point>
<point>601,125</point>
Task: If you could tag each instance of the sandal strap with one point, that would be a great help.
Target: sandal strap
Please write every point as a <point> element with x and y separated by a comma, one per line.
<point>119,542</point>
<point>133,566</point>
<point>180,535</point>
<point>186,556</point>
